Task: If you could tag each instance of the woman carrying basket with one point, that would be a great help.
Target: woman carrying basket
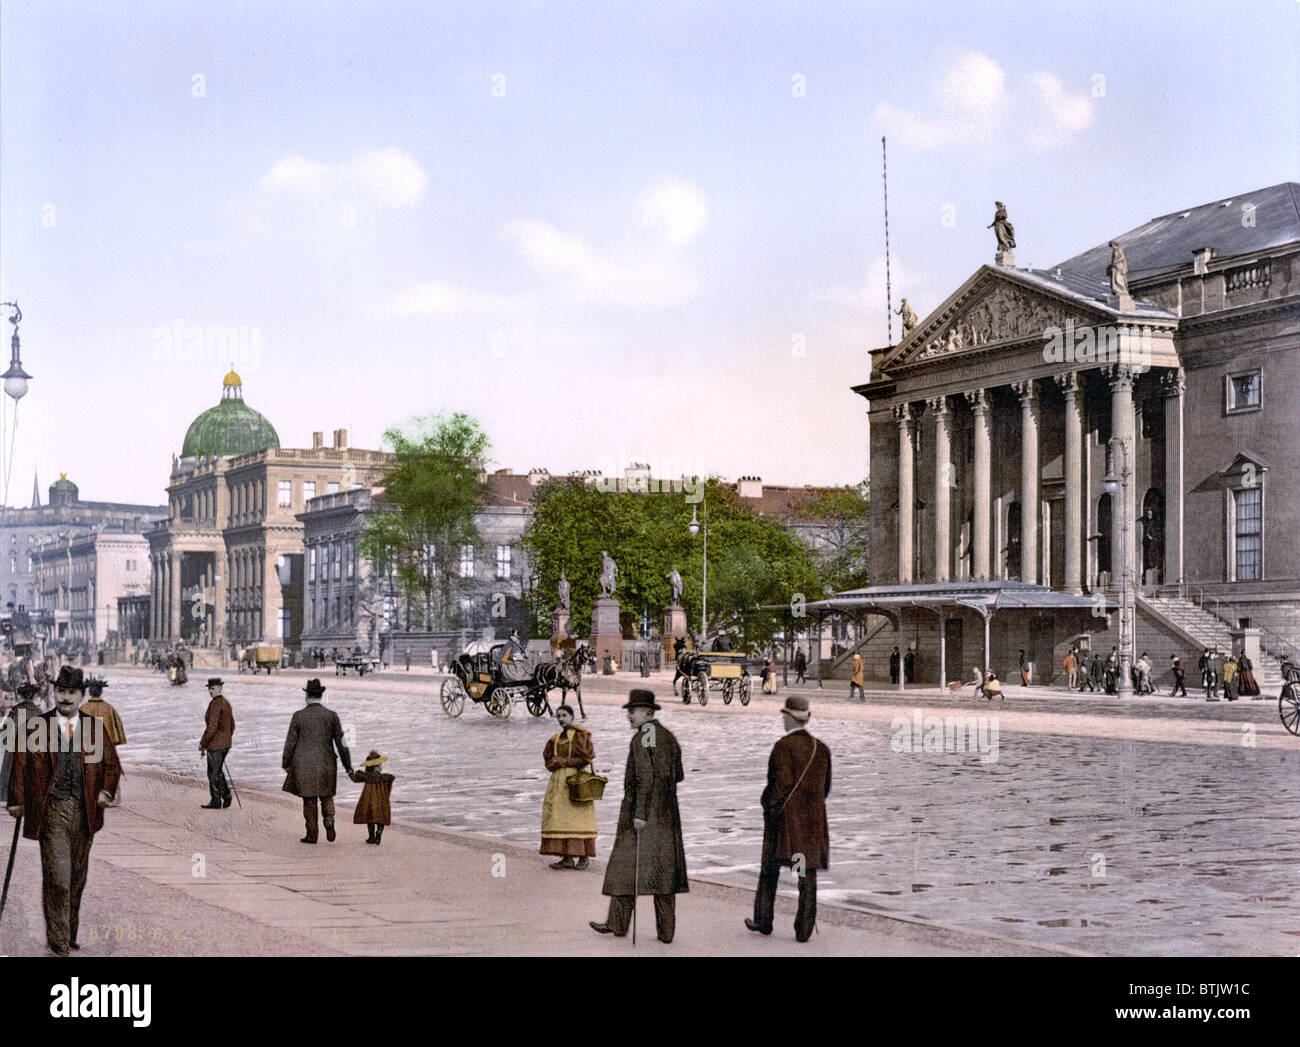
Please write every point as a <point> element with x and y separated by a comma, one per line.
<point>568,828</point>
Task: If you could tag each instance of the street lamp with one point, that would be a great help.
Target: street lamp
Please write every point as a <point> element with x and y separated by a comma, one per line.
<point>15,378</point>
<point>695,527</point>
<point>1119,485</point>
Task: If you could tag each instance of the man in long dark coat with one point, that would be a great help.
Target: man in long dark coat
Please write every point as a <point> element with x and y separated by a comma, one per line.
<point>795,832</point>
<point>649,817</point>
<point>65,772</point>
<point>314,735</point>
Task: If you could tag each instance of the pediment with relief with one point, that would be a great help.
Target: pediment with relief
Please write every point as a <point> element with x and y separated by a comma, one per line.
<point>994,310</point>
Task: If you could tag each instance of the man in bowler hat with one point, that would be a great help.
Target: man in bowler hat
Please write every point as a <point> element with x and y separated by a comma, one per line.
<point>65,772</point>
<point>649,825</point>
<point>314,735</point>
<point>795,832</point>
<point>218,736</point>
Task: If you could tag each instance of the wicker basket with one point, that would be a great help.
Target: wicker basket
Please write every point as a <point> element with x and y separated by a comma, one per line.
<point>586,787</point>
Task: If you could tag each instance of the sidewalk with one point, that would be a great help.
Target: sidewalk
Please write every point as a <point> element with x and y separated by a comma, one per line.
<point>168,878</point>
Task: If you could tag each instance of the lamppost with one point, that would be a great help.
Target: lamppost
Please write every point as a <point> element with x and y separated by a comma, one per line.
<point>695,527</point>
<point>15,385</point>
<point>1119,485</point>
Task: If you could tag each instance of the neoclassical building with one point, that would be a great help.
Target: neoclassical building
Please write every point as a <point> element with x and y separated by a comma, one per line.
<point>1168,356</point>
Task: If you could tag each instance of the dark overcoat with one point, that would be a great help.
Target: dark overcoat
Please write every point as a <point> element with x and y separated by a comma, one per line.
<point>219,729</point>
<point>32,774</point>
<point>794,807</point>
<point>30,712</point>
<point>650,792</point>
<point>314,735</point>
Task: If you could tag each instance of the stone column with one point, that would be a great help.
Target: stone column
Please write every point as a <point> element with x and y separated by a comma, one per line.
<point>1174,382</point>
<point>1122,427</point>
<point>174,595</point>
<point>270,597</point>
<point>903,413</point>
<point>943,484</point>
<point>1028,480</point>
<point>1069,384</point>
<point>983,484</point>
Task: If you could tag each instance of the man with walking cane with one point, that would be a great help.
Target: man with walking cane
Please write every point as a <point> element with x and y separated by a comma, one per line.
<point>218,736</point>
<point>649,855</point>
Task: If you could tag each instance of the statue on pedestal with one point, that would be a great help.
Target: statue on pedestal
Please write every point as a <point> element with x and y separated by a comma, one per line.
<point>564,592</point>
<point>1118,269</point>
<point>608,573</point>
<point>1002,229</point>
<point>676,580</point>
<point>909,317</point>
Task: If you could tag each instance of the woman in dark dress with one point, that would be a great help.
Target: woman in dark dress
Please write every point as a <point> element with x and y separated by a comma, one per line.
<point>1246,685</point>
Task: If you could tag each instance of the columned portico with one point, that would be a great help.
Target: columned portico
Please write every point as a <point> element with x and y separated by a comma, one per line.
<point>903,413</point>
<point>982,483</point>
<point>1028,480</point>
<point>943,484</point>
<point>1123,517</point>
<point>1174,383</point>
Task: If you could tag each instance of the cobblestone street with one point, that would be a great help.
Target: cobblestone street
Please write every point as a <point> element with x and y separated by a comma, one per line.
<point>1109,844</point>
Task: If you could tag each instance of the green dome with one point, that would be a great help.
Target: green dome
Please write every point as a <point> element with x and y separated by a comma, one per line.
<point>232,427</point>
<point>63,484</point>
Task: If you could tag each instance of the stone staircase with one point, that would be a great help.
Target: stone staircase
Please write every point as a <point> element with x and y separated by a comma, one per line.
<point>1206,629</point>
<point>875,645</point>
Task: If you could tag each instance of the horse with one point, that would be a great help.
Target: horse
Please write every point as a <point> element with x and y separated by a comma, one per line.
<point>565,674</point>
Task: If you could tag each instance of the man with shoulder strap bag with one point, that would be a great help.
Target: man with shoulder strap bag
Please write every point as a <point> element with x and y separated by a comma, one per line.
<point>795,831</point>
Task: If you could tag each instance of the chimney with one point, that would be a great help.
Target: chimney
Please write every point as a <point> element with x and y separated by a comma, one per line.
<point>317,441</point>
<point>1201,260</point>
<point>340,439</point>
<point>537,476</point>
<point>750,487</point>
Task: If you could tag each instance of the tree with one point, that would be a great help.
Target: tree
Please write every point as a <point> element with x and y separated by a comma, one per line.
<point>845,538</point>
<point>432,495</point>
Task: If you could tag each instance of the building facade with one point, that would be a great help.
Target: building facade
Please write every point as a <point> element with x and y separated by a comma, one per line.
<point>80,579</point>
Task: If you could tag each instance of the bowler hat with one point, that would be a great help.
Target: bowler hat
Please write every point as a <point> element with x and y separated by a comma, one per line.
<point>215,681</point>
<point>70,679</point>
<point>796,707</point>
<point>641,699</point>
<point>314,687</point>
<point>95,685</point>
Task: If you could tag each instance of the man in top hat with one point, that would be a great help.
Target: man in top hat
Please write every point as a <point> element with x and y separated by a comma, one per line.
<point>218,736</point>
<point>65,773</point>
<point>314,735</point>
<point>649,824</point>
<point>96,706</point>
<point>795,832</point>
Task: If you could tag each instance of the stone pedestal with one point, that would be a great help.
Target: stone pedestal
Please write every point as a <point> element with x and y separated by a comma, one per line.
<point>606,632</point>
<point>1122,302</point>
<point>560,624</point>
<point>1004,258</point>
<point>674,627</point>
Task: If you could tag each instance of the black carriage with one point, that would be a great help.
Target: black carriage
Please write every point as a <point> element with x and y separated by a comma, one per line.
<point>1288,703</point>
<point>477,675</point>
<point>722,671</point>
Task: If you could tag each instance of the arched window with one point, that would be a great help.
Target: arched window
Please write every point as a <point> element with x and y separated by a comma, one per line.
<point>1153,535</point>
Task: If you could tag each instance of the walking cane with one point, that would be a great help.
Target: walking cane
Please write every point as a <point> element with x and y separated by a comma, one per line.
<point>225,769</point>
<point>9,870</point>
<point>636,879</point>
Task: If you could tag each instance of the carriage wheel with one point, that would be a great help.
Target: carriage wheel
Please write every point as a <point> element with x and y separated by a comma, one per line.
<point>498,704</point>
<point>702,681</point>
<point>536,703</point>
<point>728,688</point>
<point>453,696</point>
<point>1288,706</point>
<point>744,689</point>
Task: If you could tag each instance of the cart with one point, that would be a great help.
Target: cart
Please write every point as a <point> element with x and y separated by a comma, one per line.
<point>723,671</point>
<point>1288,702</point>
<point>476,675</point>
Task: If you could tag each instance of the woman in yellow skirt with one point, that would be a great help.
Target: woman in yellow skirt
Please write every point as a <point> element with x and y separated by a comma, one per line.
<point>568,828</point>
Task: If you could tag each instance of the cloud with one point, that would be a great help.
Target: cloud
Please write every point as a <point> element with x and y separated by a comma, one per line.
<point>677,210</point>
<point>974,106</point>
<point>390,176</point>
<point>659,278</point>
<point>438,299</point>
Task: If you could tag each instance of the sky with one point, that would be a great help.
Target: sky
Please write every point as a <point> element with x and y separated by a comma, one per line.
<point>611,232</point>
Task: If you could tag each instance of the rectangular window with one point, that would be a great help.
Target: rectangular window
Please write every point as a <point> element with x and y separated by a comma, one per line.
<point>284,496</point>
<point>503,561</point>
<point>286,625</point>
<point>1249,538</point>
<point>352,557</point>
<point>311,571</point>
<point>467,561</point>
<point>1245,392</point>
<point>338,559</point>
<point>332,487</point>
<point>308,490</point>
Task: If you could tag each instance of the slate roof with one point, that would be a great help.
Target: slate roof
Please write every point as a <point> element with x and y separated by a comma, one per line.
<point>1166,243</point>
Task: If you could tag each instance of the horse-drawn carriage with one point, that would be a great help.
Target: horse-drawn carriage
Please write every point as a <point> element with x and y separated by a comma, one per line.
<point>1288,702</point>
<point>262,656</point>
<point>702,671</point>
<point>477,675</point>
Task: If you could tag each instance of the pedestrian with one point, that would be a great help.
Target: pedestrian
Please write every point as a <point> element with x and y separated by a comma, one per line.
<point>218,737</point>
<point>1143,670</point>
<point>374,808</point>
<point>993,687</point>
<point>909,664</point>
<point>1211,677</point>
<point>568,828</point>
<point>1024,669</point>
<point>1246,685</point>
<point>1111,673</point>
<point>1092,677</point>
<point>859,677</point>
<point>1203,667</point>
<point>65,772</point>
<point>1071,667</point>
<point>1180,684</point>
<point>315,734</point>
<point>407,655</point>
<point>769,677</point>
<point>800,666</point>
<point>893,665</point>
<point>100,709</point>
<point>649,855</point>
<point>795,831</point>
<point>1230,678</point>
<point>13,727</point>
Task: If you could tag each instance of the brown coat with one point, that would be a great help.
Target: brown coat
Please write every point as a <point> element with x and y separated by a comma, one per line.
<point>859,671</point>
<point>794,819</point>
<point>33,777</point>
<point>220,729</point>
<point>373,808</point>
<point>577,751</point>
<point>101,710</point>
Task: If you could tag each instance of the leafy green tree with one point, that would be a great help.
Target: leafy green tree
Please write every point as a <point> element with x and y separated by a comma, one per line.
<point>432,495</point>
<point>844,543</point>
